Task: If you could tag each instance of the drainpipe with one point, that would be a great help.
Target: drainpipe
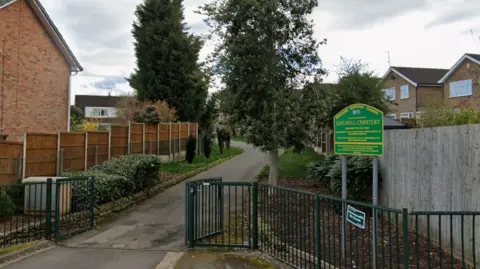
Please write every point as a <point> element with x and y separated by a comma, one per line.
<point>69,99</point>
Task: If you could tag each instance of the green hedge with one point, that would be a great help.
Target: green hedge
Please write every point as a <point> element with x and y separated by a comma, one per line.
<point>359,174</point>
<point>142,170</point>
<point>7,206</point>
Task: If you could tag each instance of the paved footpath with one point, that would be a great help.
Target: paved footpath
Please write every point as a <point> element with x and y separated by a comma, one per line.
<point>150,235</point>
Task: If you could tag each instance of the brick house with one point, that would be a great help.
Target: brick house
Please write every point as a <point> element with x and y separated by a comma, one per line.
<point>411,88</point>
<point>36,65</point>
<point>462,83</point>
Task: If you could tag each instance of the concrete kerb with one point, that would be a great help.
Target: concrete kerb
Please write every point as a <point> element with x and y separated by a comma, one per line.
<point>44,244</point>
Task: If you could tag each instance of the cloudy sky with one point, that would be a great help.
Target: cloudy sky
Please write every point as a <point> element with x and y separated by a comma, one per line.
<point>418,33</point>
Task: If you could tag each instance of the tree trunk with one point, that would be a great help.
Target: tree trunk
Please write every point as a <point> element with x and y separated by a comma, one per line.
<point>273,174</point>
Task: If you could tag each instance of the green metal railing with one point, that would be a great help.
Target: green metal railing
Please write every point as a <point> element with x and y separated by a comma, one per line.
<point>31,211</point>
<point>305,229</point>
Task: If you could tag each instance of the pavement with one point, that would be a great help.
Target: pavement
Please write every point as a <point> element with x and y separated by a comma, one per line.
<point>149,235</point>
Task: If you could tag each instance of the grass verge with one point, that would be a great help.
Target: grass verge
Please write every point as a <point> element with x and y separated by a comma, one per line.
<point>293,165</point>
<point>14,248</point>
<point>200,161</point>
<point>239,139</point>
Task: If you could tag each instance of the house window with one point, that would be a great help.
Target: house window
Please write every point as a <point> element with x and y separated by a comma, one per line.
<point>392,116</point>
<point>390,94</point>
<point>100,112</point>
<point>406,115</point>
<point>461,88</point>
<point>404,92</point>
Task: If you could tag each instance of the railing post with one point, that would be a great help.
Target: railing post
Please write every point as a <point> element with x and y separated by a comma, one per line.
<point>48,208</point>
<point>318,233</point>
<point>255,215</point>
<point>191,211</point>
<point>92,207</point>
<point>405,237</point>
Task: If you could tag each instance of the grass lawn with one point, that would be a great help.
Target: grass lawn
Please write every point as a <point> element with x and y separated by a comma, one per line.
<point>200,161</point>
<point>239,139</point>
<point>293,165</point>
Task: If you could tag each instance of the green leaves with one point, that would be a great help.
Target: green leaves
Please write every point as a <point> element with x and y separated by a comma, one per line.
<point>167,59</point>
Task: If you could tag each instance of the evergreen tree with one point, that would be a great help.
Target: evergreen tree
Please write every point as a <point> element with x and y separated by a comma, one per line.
<point>167,59</point>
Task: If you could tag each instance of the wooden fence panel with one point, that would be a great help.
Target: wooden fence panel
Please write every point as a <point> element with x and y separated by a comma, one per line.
<point>136,138</point>
<point>151,134</point>
<point>72,146</point>
<point>184,136</point>
<point>41,156</point>
<point>119,141</point>
<point>164,139</point>
<point>10,161</point>
<point>193,129</point>
<point>175,137</point>
<point>97,145</point>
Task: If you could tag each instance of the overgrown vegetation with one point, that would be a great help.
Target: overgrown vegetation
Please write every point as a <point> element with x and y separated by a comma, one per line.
<point>439,114</point>
<point>200,161</point>
<point>191,149</point>
<point>207,145</point>
<point>7,206</point>
<point>329,173</point>
<point>130,109</point>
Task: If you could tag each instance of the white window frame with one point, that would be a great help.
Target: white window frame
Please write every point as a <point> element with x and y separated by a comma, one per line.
<point>406,115</point>
<point>454,95</point>
<point>97,112</point>
<point>402,88</point>
<point>387,96</point>
<point>392,116</point>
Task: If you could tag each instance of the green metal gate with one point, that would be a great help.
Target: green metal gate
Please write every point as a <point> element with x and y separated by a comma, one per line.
<point>74,206</point>
<point>218,213</point>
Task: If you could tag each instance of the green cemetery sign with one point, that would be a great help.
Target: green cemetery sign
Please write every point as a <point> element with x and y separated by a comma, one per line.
<point>358,130</point>
<point>356,217</point>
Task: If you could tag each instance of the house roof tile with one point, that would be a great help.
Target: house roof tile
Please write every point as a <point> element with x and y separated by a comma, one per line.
<point>422,75</point>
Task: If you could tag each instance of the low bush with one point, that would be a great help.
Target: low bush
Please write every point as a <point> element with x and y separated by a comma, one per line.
<point>108,188</point>
<point>227,140</point>
<point>221,139</point>
<point>359,175</point>
<point>207,146</point>
<point>17,194</point>
<point>142,170</point>
<point>191,149</point>
<point>7,206</point>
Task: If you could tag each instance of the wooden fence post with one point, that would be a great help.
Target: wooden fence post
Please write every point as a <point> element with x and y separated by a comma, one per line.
<point>62,154</point>
<point>170,141</point>
<point>158,139</point>
<point>109,142</point>
<point>24,159</point>
<point>58,152</point>
<point>198,141</point>
<point>188,130</point>
<point>179,138</point>
<point>129,147</point>
<point>86,151</point>
<point>143,138</point>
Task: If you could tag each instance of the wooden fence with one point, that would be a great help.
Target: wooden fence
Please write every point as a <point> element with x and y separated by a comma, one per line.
<point>434,169</point>
<point>51,154</point>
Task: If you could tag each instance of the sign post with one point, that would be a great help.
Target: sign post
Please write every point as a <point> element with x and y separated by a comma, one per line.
<point>358,131</point>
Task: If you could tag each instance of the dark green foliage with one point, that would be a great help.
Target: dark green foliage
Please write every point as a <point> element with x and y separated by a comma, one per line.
<point>221,139</point>
<point>148,115</point>
<point>191,149</point>
<point>142,170</point>
<point>227,139</point>
<point>108,188</point>
<point>207,146</point>
<point>7,206</point>
<point>208,115</point>
<point>360,172</point>
<point>17,193</point>
<point>167,59</point>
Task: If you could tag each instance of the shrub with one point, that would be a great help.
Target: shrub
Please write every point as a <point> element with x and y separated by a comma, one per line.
<point>7,206</point>
<point>359,176</point>
<point>207,146</point>
<point>191,148</point>
<point>108,188</point>
<point>220,138</point>
<point>142,170</point>
<point>17,194</point>
<point>227,139</point>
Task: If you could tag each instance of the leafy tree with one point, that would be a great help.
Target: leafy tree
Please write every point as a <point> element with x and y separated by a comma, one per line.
<point>191,149</point>
<point>167,59</point>
<point>265,54</point>
<point>221,139</point>
<point>207,145</point>
<point>130,109</point>
<point>148,115</point>
<point>208,115</point>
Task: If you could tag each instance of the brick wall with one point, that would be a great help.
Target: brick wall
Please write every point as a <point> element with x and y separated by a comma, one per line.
<point>36,75</point>
<point>429,95</point>
<point>467,70</point>
<point>402,105</point>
